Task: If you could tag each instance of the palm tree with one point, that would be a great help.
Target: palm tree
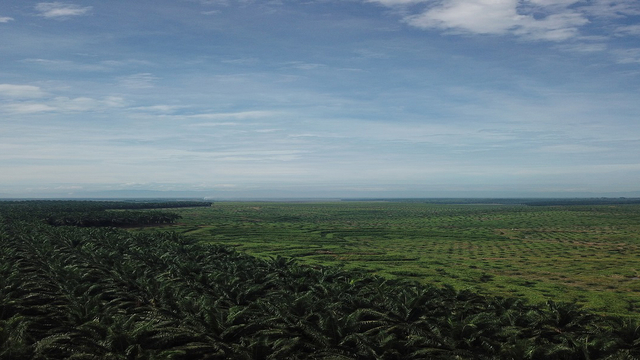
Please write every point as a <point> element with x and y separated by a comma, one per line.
<point>14,338</point>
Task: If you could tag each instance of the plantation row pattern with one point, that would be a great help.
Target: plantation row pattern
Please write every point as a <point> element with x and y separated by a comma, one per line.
<point>589,254</point>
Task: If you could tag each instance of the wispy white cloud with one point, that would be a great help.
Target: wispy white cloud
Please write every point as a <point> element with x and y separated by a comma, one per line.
<point>572,149</point>
<point>242,61</point>
<point>476,16</point>
<point>628,56</point>
<point>138,81</point>
<point>60,10</point>
<point>556,3</point>
<point>26,108</point>
<point>301,65</point>
<point>241,115</point>
<point>555,27</point>
<point>165,109</point>
<point>5,19</point>
<point>370,54</point>
<point>211,124</point>
<point>633,30</point>
<point>20,91</point>
<point>550,20</point>
<point>501,17</point>
<point>396,2</point>
<point>585,47</point>
<point>86,104</point>
<point>63,104</point>
<point>65,65</point>
<point>113,101</point>
<point>126,62</point>
<point>90,65</point>
<point>212,2</point>
<point>612,8</point>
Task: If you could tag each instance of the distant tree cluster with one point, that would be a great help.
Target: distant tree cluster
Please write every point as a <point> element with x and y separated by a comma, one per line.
<point>94,213</point>
<point>513,201</point>
<point>582,202</point>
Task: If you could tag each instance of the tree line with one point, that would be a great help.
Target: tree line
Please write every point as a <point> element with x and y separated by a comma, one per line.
<point>94,213</point>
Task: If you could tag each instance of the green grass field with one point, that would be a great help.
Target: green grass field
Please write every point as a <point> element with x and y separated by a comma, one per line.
<point>587,254</point>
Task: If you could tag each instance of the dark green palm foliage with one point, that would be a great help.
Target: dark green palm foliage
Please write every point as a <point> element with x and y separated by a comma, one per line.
<point>93,213</point>
<point>86,293</point>
<point>625,338</point>
<point>14,338</point>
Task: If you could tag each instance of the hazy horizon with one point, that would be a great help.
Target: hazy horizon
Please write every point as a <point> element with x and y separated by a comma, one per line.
<point>323,98</point>
<point>279,195</point>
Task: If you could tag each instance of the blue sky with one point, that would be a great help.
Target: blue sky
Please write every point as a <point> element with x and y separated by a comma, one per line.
<point>312,98</point>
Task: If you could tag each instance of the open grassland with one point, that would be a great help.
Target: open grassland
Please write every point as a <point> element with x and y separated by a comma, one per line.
<point>587,254</point>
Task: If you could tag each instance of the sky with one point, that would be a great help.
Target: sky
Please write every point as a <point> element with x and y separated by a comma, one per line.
<point>315,98</point>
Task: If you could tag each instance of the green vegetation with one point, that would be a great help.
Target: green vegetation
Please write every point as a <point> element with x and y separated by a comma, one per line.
<point>69,292</point>
<point>589,254</point>
<point>94,213</point>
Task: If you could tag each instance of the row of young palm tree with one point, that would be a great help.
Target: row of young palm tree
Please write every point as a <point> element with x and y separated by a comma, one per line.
<point>93,293</point>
